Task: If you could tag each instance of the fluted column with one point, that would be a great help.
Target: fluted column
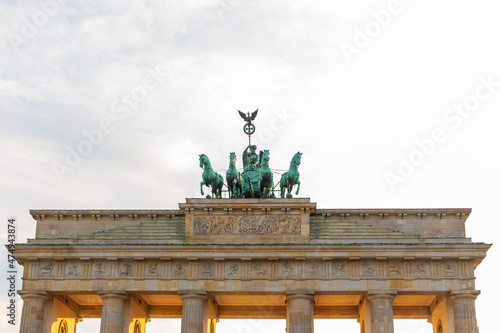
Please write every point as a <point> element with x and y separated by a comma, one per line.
<point>193,311</point>
<point>113,306</point>
<point>300,312</point>
<point>464,309</point>
<point>32,314</point>
<point>382,318</point>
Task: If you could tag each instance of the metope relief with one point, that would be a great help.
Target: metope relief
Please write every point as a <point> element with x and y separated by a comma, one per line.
<point>205,269</point>
<point>232,270</point>
<point>367,269</point>
<point>152,269</point>
<point>46,270</point>
<point>180,269</point>
<point>421,270</point>
<point>287,269</point>
<point>125,270</point>
<point>99,269</point>
<point>247,225</point>
<point>313,269</point>
<point>72,270</point>
<point>449,269</point>
<point>259,269</point>
<point>394,269</point>
<point>340,269</point>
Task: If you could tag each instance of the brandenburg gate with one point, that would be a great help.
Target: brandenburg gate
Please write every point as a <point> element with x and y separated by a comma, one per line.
<point>249,256</point>
<point>270,258</point>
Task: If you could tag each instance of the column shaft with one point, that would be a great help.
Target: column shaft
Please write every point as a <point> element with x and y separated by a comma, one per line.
<point>300,313</point>
<point>193,312</point>
<point>464,309</point>
<point>113,306</point>
<point>382,320</point>
<point>32,313</point>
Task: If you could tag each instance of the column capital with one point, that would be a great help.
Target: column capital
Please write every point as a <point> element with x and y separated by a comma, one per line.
<point>202,294</point>
<point>458,294</point>
<point>293,294</point>
<point>375,294</point>
<point>120,294</point>
<point>25,294</point>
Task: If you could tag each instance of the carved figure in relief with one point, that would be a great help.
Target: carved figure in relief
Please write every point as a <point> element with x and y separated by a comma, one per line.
<point>47,269</point>
<point>259,270</point>
<point>126,270</point>
<point>287,268</point>
<point>246,225</point>
<point>99,269</point>
<point>420,270</point>
<point>179,269</point>
<point>340,269</point>
<point>367,269</point>
<point>152,269</point>
<point>72,270</point>
<point>449,270</point>
<point>233,270</point>
<point>395,269</point>
<point>206,269</point>
<point>314,269</point>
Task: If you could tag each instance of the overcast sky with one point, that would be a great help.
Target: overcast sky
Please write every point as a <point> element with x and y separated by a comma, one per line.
<point>394,104</point>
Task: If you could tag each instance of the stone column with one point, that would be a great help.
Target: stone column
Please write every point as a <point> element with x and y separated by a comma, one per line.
<point>300,312</point>
<point>464,310</point>
<point>193,311</point>
<point>113,306</point>
<point>382,320</point>
<point>33,309</point>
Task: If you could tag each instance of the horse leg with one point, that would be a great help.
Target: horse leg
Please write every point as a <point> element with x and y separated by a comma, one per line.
<point>298,187</point>
<point>201,187</point>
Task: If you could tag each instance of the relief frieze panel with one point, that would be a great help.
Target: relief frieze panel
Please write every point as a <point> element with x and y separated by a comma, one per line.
<point>341,269</point>
<point>100,269</point>
<point>46,269</point>
<point>395,269</point>
<point>247,225</point>
<point>254,269</point>
<point>73,270</point>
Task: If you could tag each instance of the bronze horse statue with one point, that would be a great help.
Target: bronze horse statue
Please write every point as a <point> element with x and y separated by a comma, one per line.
<point>266,177</point>
<point>234,178</point>
<point>291,177</point>
<point>210,177</point>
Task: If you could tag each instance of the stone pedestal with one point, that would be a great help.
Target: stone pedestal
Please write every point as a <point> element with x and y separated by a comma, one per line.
<point>300,312</point>
<point>464,309</point>
<point>193,312</point>
<point>113,306</point>
<point>33,309</point>
<point>381,311</point>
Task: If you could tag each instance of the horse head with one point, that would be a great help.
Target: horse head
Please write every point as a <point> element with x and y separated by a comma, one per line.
<point>265,156</point>
<point>203,159</point>
<point>296,159</point>
<point>232,159</point>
